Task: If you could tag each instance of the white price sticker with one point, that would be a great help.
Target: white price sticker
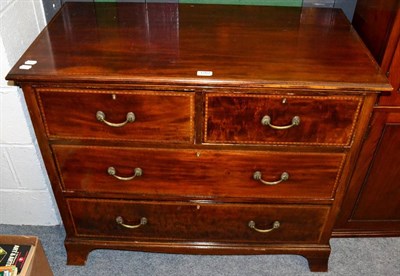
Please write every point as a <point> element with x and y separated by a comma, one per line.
<point>204,73</point>
<point>25,67</point>
<point>30,62</point>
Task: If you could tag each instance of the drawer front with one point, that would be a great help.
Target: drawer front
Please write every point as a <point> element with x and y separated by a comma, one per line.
<point>268,119</point>
<point>198,173</point>
<point>136,115</point>
<point>198,222</point>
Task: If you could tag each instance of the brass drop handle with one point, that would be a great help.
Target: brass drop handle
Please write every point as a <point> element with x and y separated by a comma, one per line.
<point>138,172</point>
<point>275,225</point>
<point>120,221</point>
<point>101,116</point>
<point>266,121</point>
<point>258,176</point>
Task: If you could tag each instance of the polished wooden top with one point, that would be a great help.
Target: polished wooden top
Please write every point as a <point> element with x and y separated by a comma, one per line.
<point>250,46</point>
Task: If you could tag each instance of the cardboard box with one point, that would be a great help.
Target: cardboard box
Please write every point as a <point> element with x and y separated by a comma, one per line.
<point>36,262</point>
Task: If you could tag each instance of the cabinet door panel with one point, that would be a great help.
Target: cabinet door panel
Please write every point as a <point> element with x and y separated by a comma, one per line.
<point>372,203</point>
<point>380,196</point>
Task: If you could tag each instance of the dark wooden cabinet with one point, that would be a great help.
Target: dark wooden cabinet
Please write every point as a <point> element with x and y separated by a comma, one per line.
<point>372,203</point>
<point>202,129</point>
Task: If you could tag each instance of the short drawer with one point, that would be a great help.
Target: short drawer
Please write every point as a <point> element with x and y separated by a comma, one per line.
<point>198,222</point>
<point>272,119</point>
<point>119,115</point>
<point>198,173</point>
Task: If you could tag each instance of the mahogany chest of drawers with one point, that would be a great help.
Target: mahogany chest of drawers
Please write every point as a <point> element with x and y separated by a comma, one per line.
<point>201,129</point>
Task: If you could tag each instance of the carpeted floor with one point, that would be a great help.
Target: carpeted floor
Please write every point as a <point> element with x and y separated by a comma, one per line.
<point>352,257</point>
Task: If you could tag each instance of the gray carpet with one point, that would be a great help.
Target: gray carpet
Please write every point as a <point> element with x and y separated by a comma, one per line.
<point>361,256</point>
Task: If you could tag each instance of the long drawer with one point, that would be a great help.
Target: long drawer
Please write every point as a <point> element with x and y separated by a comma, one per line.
<point>119,115</point>
<point>198,222</point>
<point>198,173</point>
<point>273,119</point>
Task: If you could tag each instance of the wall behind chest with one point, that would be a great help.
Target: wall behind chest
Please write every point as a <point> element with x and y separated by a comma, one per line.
<point>348,6</point>
<point>24,188</point>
